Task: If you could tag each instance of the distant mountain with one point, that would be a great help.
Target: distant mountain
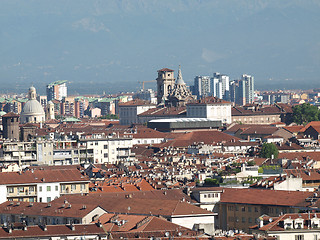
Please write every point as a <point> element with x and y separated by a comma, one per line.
<point>111,45</point>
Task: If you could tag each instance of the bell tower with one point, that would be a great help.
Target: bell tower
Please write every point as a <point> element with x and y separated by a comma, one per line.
<point>165,83</point>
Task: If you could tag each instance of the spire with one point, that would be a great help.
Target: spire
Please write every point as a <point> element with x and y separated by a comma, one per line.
<point>179,78</point>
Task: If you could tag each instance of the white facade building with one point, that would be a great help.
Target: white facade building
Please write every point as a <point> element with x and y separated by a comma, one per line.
<point>129,111</point>
<point>109,150</point>
<point>211,108</point>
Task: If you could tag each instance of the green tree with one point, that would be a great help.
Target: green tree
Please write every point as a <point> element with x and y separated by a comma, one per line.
<point>305,113</point>
<point>211,182</point>
<point>268,150</point>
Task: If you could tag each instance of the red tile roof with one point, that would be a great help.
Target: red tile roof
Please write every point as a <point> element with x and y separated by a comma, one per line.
<point>165,70</point>
<point>38,176</point>
<point>265,197</point>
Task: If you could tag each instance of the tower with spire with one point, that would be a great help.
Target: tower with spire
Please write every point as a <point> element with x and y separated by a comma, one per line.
<point>180,93</point>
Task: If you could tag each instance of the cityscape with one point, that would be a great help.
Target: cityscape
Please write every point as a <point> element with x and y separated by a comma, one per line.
<point>160,120</point>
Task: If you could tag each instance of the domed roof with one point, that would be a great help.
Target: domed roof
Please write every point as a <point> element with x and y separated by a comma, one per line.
<point>32,106</point>
<point>32,88</point>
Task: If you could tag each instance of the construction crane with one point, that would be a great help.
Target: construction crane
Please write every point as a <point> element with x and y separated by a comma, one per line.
<point>143,82</point>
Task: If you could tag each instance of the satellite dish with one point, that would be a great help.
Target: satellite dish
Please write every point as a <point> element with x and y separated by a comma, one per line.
<point>167,234</point>
<point>180,234</point>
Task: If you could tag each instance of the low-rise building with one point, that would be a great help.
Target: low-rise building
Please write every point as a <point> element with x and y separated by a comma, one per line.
<point>41,185</point>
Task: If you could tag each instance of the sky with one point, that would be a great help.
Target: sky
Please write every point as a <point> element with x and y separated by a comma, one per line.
<point>110,46</point>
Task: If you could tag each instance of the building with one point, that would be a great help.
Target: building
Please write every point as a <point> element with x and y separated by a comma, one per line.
<point>249,87</point>
<point>32,111</point>
<point>220,86</point>
<point>50,111</point>
<point>298,226</point>
<point>201,86</point>
<point>165,82</point>
<point>129,111</point>
<point>41,185</point>
<point>260,114</point>
<point>146,94</point>
<point>180,94</point>
<point>239,208</point>
<point>211,108</point>
<point>108,150</point>
<point>57,90</point>
<point>183,124</point>
<point>37,213</point>
<point>10,125</point>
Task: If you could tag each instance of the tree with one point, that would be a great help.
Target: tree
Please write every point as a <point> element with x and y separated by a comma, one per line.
<point>305,113</point>
<point>269,150</point>
<point>211,182</point>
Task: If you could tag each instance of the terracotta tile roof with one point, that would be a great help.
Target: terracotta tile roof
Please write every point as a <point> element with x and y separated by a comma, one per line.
<point>10,114</point>
<point>305,174</point>
<point>235,127</point>
<point>75,210</point>
<point>36,232</point>
<point>259,130</point>
<point>165,70</point>
<point>300,155</point>
<point>39,176</point>
<point>209,100</point>
<point>275,226</point>
<point>136,102</point>
<point>265,197</point>
<point>165,111</point>
<point>146,206</point>
<point>313,123</point>
<point>207,137</point>
<point>294,129</point>
<point>258,110</point>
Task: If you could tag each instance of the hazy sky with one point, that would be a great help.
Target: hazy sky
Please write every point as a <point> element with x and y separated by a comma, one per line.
<point>111,45</point>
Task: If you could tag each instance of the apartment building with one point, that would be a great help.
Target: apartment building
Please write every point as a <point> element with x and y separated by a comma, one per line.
<point>41,185</point>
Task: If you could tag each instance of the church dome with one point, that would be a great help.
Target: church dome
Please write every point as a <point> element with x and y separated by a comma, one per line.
<point>32,110</point>
<point>32,106</point>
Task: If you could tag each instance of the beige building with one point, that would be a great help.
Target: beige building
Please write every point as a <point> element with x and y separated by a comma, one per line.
<point>41,185</point>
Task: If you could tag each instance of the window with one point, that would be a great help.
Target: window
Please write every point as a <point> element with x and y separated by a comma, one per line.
<point>105,155</point>
<point>10,189</point>
<point>82,186</point>
<point>249,209</point>
<point>237,208</point>
<point>73,187</point>
<point>48,188</point>
<point>243,209</point>
<point>31,189</point>
<point>48,199</point>
<point>249,220</point>
<point>20,189</point>
<point>40,189</point>
<point>205,195</point>
<point>255,209</point>
<point>299,237</point>
<point>63,187</point>
<point>243,219</point>
<point>57,188</point>
<point>105,146</point>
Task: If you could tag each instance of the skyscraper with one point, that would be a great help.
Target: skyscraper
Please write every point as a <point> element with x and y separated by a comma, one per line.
<point>249,87</point>
<point>57,90</point>
<point>201,86</point>
<point>220,86</point>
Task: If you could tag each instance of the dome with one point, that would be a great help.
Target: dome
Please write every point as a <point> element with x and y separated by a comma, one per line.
<point>32,88</point>
<point>32,107</point>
